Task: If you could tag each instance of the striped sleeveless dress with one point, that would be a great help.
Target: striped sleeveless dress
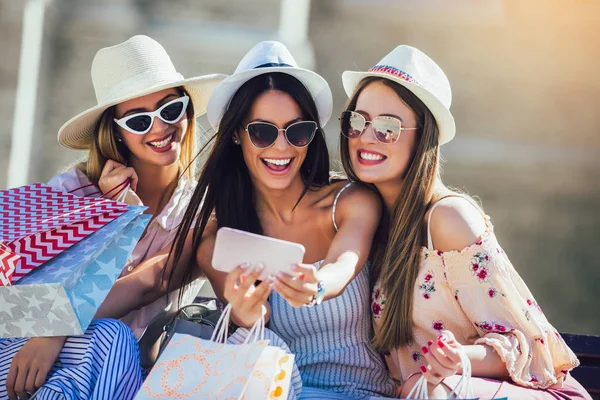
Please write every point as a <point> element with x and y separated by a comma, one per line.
<point>101,364</point>
<point>331,342</point>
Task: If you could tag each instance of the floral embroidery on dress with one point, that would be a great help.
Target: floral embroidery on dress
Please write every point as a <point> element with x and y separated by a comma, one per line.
<point>438,326</point>
<point>492,292</point>
<point>534,303</point>
<point>478,266</point>
<point>456,296</point>
<point>493,327</point>
<point>416,356</point>
<point>428,287</point>
<point>377,303</point>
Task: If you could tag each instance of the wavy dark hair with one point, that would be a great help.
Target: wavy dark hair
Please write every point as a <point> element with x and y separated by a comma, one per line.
<point>224,186</point>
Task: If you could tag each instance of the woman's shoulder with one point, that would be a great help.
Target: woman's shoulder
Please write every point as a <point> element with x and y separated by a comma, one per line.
<point>343,191</point>
<point>455,223</point>
<point>356,202</point>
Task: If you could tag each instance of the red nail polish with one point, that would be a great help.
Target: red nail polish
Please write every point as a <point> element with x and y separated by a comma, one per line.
<point>423,368</point>
<point>424,350</point>
<point>440,343</point>
<point>440,337</point>
<point>429,343</point>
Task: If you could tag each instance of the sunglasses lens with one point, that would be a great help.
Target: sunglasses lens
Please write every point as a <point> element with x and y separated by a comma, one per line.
<point>352,124</point>
<point>172,112</point>
<point>301,133</point>
<point>262,135</point>
<point>387,130</point>
<point>140,123</point>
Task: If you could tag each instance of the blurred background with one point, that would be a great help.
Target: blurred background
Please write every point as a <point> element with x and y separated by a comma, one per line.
<point>524,76</point>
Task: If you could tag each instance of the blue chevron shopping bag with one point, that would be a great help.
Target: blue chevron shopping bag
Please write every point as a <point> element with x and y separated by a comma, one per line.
<point>61,297</point>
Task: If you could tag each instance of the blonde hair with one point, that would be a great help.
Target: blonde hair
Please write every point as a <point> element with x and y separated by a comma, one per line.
<point>105,146</point>
<point>397,246</point>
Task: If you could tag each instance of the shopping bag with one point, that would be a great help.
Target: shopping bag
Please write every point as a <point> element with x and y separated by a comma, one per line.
<point>271,375</point>
<point>61,297</point>
<point>462,390</point>
<point>38,222</point>
<point>195,368</point>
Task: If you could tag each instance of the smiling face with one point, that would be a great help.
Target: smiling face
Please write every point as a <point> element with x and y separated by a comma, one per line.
<point>162,144</point>
<point>373,161</point>
<point>276,167</point>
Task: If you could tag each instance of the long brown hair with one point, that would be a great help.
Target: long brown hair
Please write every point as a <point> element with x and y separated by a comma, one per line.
<point>105,145</point>
<point>225,187</point>
<point>397,246</point>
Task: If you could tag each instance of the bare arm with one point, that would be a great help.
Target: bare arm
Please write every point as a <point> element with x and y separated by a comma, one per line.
<point>456,224</point>
<point>357,216</point>
<point>145,283</point>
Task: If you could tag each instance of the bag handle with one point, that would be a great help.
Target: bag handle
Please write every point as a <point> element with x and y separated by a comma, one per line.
<point>420,388</point>
<point>221,332</point>
<point>121,191</point>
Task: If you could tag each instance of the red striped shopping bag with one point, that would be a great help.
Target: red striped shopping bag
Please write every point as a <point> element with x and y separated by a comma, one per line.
<point>38,222</point>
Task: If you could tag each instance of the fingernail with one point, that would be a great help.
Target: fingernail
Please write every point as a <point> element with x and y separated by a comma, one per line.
<point>429,343</point>
<point>423,369</point>
<point>440,343</point>
<point>244,266</point>
<point>424,350</point>
<point>294,267</point>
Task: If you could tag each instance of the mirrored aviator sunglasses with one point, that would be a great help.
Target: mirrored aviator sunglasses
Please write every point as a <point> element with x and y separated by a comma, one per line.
<point>265,134</point>
<point>141,123</point>
<point>386,129</point>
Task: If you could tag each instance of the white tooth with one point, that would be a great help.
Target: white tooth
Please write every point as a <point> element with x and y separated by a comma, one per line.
<point>371,156</point>
<point>278,162</point>
<point>162,143</point>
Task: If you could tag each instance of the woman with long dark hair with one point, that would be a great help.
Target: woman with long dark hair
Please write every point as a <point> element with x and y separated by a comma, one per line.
<point>443,285</point>
<point>268,173</point>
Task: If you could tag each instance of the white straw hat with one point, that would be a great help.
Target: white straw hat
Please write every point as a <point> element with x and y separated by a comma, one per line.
<point>264,58</point>
<point>134,68</point>
<point>414,70</point>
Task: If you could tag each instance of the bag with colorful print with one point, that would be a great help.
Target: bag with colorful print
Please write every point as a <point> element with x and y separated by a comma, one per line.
<point>195,368</point>
<point>271,376</point>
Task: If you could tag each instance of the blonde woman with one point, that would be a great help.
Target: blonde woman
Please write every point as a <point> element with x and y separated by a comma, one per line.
<point>140,141</point>
<point>443,284</point>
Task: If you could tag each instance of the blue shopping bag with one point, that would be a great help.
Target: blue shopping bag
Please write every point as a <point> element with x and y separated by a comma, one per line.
<point>61,297</point>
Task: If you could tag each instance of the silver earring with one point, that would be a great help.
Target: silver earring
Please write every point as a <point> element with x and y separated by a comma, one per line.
<point>236,141</point>
<point>119,140</point>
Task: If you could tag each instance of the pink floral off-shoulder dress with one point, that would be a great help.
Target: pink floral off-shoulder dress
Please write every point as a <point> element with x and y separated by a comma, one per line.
<point>477,294</point>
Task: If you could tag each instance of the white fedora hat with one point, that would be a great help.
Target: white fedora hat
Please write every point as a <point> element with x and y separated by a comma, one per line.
<point>134,68</point>
<point>264,58</point>
<point>414,70</point>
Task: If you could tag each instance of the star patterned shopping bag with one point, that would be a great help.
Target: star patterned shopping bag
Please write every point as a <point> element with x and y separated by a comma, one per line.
<point>61,297</point>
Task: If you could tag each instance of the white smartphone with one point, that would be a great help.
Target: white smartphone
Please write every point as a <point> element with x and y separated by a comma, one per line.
<point>234,247</point>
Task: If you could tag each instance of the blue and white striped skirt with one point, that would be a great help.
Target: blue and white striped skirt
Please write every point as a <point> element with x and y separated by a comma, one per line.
<point>103,363</point>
